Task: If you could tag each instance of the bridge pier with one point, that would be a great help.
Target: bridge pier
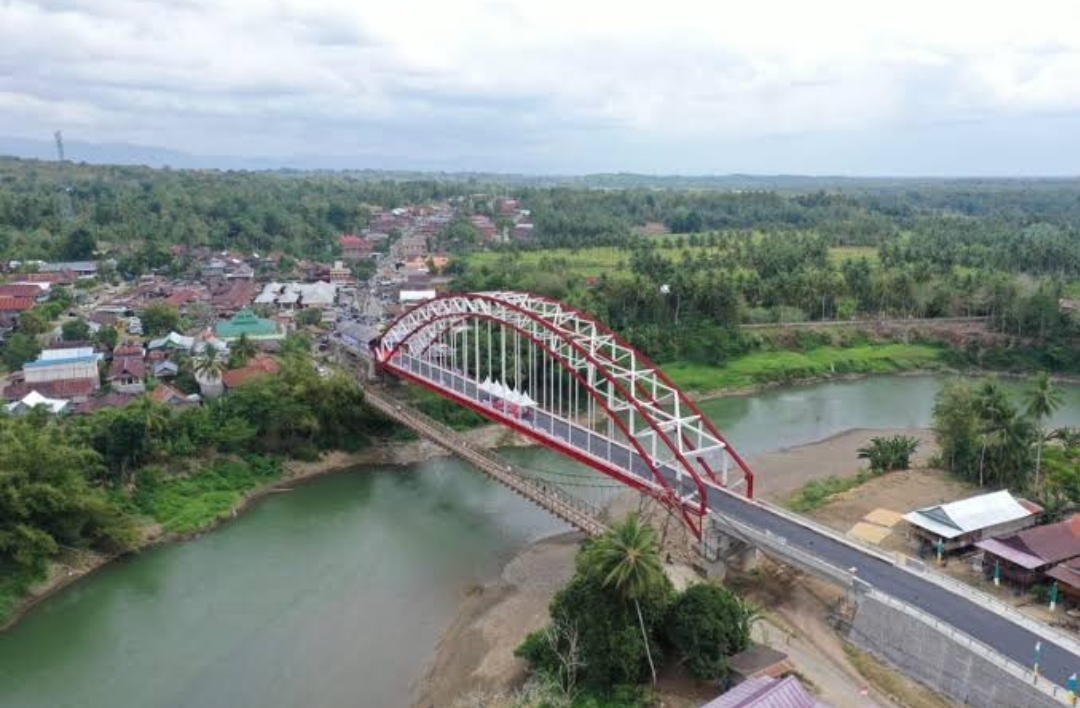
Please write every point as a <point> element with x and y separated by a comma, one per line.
<point>722,552</point>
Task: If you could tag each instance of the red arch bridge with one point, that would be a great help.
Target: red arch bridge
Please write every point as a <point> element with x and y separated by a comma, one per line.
<point>570,383</point>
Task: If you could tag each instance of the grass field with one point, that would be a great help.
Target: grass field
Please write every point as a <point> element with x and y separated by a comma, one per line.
<point>187,504</point>
<point>615,262</point>
<point>585,261</point>
<point>778,366</point>
<point>839,254</point>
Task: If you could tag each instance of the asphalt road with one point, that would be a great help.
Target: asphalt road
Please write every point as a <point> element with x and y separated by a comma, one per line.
<point>968,616</point>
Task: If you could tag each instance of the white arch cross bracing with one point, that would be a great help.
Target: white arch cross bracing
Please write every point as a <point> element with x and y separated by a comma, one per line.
<point>652,416</point>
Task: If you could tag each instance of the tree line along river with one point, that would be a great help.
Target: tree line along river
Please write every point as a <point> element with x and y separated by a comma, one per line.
<point>335,594</point>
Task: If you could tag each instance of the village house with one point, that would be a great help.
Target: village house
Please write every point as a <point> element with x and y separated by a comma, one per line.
<point>962,523</point>
<point>81,269</point>
<point>169,396</point>
<point>126,374</point>
<point>354,248</point>
<point>1023,558</point>
<point>339,273</point>
<point>229,298</point>
<point>34,399</point>
<point>412,247</point>
<point>12,307</point>
<point>39,292</point>
<point>259,366</point>
<point>767,693</point>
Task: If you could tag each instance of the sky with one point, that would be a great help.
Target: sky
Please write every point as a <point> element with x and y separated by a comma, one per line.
<point>937,88</point>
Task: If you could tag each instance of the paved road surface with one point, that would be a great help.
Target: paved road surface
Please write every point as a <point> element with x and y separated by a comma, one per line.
<point>967,616</point>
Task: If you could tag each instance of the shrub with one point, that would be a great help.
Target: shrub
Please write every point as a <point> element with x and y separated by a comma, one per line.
<point>707,624</point>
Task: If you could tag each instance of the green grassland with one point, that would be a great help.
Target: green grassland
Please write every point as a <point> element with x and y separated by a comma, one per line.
<point>186,504</point>
<point>614,261</point>
<point>766,367</point>
<point>839,254</point>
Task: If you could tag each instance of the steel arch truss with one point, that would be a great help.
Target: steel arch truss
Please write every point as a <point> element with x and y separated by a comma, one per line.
<point>658,440</point>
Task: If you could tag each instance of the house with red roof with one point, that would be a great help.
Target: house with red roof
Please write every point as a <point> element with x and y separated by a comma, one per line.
<point>354,248</point>
<point>1024,557</point>
<point>13,306</point>
<point>127,374</point>
<point>259,366</point>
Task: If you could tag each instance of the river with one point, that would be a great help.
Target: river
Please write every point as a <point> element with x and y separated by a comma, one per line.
<point>334,594</point>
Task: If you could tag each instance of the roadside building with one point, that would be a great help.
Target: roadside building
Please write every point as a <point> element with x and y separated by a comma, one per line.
<point>247,323</point>
<point>354,248</point>
<point>1024,557</point>
<point>962,523</point>
<point>767,693</point>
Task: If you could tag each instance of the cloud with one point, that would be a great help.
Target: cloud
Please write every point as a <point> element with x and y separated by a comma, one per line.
<point>559,84</point>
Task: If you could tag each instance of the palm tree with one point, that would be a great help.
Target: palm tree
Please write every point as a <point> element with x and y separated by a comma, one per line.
<point>1042,401</point>
<point>243,350</point>
<point>994,412</point>
<point>627,559</point>
<point>209,365</point>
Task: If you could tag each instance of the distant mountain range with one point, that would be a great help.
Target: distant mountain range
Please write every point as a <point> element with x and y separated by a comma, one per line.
<point>150,156</point>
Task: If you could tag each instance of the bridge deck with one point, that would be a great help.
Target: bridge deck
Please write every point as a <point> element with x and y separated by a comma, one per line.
<point>968,615</point>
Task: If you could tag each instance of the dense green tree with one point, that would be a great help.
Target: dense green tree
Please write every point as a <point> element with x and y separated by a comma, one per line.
<point>45,500</point>
<point>309,317</point>
<point>107,337</point>
<point>79,245</point>
<point>76,330</point>
<point>706,624</point>
<point>19,349</point>
<point>33,322</point>
<point>627,559</point>
<point>159,319</point>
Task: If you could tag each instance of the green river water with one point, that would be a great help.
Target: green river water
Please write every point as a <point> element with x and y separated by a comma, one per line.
<point>334,594</point>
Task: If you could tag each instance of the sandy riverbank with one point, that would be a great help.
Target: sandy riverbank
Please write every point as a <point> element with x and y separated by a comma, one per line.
<point>475,654</point>
<point>74,565</point>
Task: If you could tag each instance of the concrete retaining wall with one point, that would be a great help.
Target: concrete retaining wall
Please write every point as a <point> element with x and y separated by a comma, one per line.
<point>939,661</point>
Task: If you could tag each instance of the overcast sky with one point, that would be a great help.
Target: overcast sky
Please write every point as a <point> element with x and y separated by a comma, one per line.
<point>940,87</point>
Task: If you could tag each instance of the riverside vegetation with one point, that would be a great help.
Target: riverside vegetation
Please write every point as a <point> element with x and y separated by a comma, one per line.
<point>619,619</point>
<point>101,481</point>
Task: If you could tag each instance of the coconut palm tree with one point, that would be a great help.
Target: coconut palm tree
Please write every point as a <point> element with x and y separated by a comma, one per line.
<point>627,559</point>
<point>1042,400</point>
<point>994,412</point>
<point>243,351</point>
<point>208,368</point>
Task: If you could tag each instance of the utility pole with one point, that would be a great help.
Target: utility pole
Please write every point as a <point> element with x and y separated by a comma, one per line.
<point>64,197</point>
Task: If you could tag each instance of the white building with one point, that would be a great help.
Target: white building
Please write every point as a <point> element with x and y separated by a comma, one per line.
<point>34,399</point>
<point>62,364</point>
